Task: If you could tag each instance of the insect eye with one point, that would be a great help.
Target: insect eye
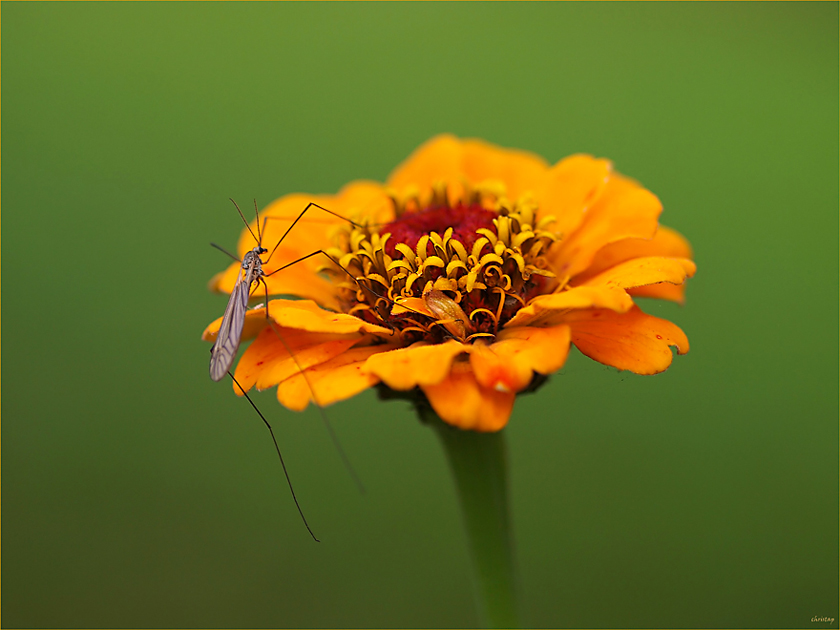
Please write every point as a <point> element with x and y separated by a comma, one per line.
<point>263,250</point>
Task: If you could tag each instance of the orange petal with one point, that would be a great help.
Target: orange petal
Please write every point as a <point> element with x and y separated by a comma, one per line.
<point>509,364</point>
<point>366,202</point>
<point>639,272</point>
<point>224,281</point>
<point>437,159</point>
<point>301,315</point>
<point>279,353</point>
<point>624,210</point>
<point>631,341</point>
<point>661,291</point>
<point>255,321</point>
<point>303,285</point>
<point>336,379</point>
<point>666,242</point>
<point>520,171</point>
<point>461,401</point>
<point>570,187</point>
<point>306,315</point>
<point>547,306</point>
<point>419,364</point>
<point>297,281</point>
<point>450,159</point>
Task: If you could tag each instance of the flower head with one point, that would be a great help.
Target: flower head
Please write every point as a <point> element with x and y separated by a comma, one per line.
<point>471,270</point>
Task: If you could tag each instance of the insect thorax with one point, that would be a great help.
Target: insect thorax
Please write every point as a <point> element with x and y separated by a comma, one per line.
<point>252,260</point>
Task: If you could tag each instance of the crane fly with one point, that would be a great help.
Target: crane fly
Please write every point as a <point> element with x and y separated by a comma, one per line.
<point>224,350</point>
<point>230,332</point>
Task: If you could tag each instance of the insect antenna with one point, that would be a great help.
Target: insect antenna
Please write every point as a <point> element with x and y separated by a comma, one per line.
<point>245,221</point>
<point>279,454</point>
<point>259,233</point>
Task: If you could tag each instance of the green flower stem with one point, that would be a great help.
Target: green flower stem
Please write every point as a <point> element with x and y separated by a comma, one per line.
<point>478,462</point>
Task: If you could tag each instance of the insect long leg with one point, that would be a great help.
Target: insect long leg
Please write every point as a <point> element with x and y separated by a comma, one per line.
<point>327,424</point>
<point>226,345</point>
<point>310,255</point>
<point>314,220</point>
<point>280,455</point>
<point>230,331</point>
<point>362,287</point>
<point>222,355</point>
<point>237,258</point>
<point>299,217</point>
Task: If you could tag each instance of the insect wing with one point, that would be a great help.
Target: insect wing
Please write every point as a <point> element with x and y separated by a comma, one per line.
<point>227,341</point>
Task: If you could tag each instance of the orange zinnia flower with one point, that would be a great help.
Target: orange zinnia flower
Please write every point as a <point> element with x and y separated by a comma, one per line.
<point>471,270</point>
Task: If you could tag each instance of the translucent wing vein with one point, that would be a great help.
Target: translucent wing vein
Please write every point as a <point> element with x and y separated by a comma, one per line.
<point>227,341</point>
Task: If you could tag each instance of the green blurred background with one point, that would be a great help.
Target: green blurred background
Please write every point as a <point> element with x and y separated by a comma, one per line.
<point>136,492</point>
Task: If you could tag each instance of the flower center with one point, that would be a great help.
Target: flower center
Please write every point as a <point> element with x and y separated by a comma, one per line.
<point>442,269</point>
<point>465,221</point>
